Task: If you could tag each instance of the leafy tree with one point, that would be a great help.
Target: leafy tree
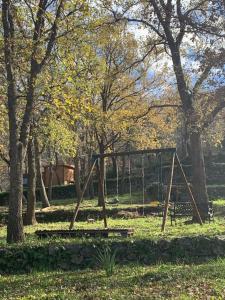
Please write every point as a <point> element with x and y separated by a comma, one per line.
<point>31,30</point>
<point>191,33</point>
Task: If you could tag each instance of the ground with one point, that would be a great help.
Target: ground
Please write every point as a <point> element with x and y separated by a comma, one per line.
<point>144,226</point>
<point>159,281</point>
<point>162,281</point>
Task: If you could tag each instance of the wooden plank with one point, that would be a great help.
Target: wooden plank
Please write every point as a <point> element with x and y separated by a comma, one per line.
<point>84,232</point>
<point>168,194</point>
<point>189,191</point>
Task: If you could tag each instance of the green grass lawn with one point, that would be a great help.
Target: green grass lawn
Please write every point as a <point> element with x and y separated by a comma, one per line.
<point>145,227</point>
<point>162,281</point>
<point>124,202</point>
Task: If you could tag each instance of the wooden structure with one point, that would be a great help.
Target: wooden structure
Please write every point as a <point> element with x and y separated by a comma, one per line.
<point>62,174</point>
<point>85,232</point>
<point>175,158</point>
<point>97,159</point>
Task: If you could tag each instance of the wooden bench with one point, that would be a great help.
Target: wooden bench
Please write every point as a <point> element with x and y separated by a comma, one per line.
<point>85,232</point>
<point>184,209</point>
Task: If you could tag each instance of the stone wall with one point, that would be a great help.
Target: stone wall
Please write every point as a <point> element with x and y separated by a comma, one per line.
<point>78,255</point>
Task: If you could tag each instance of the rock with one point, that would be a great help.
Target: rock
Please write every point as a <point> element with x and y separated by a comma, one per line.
<point>163,245</point>
<point>64,265</point>
<point>77,259</point>
<point>73,248</point>
<point>52,250</point>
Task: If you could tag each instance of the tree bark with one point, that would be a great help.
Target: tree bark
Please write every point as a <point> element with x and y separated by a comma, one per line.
<point>91,183</point>
<point>114,166</point>
<point>198,174</point>
<point>40,182</point>
<point>77,178</point>
<point>50,179</point>
<point>191,119</point>
<point>15,220</point>
<point>101,176</point>
<point>30,218</point>
<point>16,147</point>
<point>123,175</point>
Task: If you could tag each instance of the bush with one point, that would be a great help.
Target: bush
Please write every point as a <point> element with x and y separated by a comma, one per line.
<point>106,259</point>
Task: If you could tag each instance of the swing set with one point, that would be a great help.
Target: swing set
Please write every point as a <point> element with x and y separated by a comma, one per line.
<point>115,199</point>
<point>100,158</point>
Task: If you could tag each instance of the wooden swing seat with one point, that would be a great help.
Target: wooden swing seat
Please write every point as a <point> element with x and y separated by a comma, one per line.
<point>125,232</point>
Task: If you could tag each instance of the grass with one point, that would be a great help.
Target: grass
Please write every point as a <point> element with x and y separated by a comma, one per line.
<point>146,227</point>
<point>68,204</point>
<point>162,281</point>
<point>125,202</point>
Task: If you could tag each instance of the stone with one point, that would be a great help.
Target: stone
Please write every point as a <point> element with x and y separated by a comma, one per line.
<point>52,250</point>
<point>77,259</point>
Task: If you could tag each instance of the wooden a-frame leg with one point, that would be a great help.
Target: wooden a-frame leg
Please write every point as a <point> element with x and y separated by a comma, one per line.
<point>169,187</point>
<point>82,196</point>
<point>189,191</point>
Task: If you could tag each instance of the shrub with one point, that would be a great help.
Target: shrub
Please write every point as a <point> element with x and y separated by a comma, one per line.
<point>106,259</point>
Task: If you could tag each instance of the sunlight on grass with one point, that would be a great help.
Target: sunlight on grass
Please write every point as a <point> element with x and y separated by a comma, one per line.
<point>162,281</point>
<point>145,227</point>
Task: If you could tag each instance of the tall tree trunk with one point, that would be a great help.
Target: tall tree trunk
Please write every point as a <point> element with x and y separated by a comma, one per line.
<point>114,166</point>
<point>77,177</point>
<point>30,218</point>
<point>191,119</point>
<point>15,219</point>
<point>50,180</point>
<point>91,183</point>
<point>198,174</point>
<point>40,182</point>
<point>101,176</point>
<point>123,175</point>
<point>16,147</point>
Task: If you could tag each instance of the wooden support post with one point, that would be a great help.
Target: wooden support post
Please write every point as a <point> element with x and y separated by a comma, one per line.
<point>82,196</point>
<point>168,193</point>
<point>189,191</point>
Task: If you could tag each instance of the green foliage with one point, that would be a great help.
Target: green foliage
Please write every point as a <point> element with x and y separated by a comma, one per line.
<point>106,259</point>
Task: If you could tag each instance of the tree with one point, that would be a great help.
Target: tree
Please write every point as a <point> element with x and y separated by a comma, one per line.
<point>121,85</point>
<point>191,34</point>
<point>30,218</point>
<point>30,33</point>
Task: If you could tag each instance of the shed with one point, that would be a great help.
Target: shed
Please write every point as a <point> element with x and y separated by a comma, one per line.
<point>62,174</point>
